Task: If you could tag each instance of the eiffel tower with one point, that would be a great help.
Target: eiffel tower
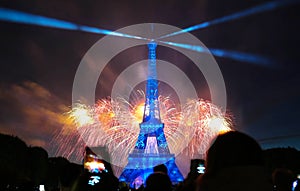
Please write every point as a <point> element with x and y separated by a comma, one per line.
<point>151,148</point>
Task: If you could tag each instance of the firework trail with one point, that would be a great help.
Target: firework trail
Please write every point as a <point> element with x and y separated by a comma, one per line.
<point>67,141</point>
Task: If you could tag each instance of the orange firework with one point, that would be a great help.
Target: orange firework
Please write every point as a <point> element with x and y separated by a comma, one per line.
<point>205,121</point>
<point>115,125</point>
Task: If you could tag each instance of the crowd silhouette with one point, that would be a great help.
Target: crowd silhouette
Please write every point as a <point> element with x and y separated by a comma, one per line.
<point>234,162</point>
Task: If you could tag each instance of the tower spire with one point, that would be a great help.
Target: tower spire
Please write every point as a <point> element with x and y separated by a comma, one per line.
<point>151,111</point>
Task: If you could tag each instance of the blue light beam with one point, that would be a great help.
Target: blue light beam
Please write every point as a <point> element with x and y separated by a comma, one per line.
<point>14,16</point>
<point>254,10</point>
<point>234,55</point>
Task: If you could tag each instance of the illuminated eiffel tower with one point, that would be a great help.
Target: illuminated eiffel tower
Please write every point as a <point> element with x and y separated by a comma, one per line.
<point>151,148</point>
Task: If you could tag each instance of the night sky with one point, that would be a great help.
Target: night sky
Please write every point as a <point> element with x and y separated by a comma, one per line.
<point>38,64</point>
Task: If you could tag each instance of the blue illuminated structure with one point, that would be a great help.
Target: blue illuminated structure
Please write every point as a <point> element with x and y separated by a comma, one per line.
<point>151,148</point>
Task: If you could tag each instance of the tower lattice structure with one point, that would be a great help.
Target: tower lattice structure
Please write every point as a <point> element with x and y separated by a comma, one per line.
<point>151,148</point>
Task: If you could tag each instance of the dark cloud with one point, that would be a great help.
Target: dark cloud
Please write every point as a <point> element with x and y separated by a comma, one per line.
<point>31,112</point>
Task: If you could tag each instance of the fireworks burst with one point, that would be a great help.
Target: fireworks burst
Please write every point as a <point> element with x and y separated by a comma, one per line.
<point>204,121</point>
<point>114,124</point>
<point>81,115</point>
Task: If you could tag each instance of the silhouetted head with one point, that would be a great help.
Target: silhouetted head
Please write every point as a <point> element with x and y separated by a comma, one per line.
<point>234,162</point>
<point>158,182</point>
<point>161,168</point>
<point>283,179</point>
<point>233,149</point>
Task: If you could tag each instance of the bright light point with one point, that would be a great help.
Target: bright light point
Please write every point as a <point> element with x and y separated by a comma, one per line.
<point>42,188</point>
<point>200,169</point>
<point>81,115</point>
<point>138,112</point>
<point>218,124</point>
<point>94,180</point>
<point>94,165</point>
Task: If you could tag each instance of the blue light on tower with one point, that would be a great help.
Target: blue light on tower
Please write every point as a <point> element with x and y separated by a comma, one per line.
<point>151,148</point>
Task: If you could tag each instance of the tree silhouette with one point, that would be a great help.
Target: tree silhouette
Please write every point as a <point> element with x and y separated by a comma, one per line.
<point>13,160</point>
<point>38,163</point>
